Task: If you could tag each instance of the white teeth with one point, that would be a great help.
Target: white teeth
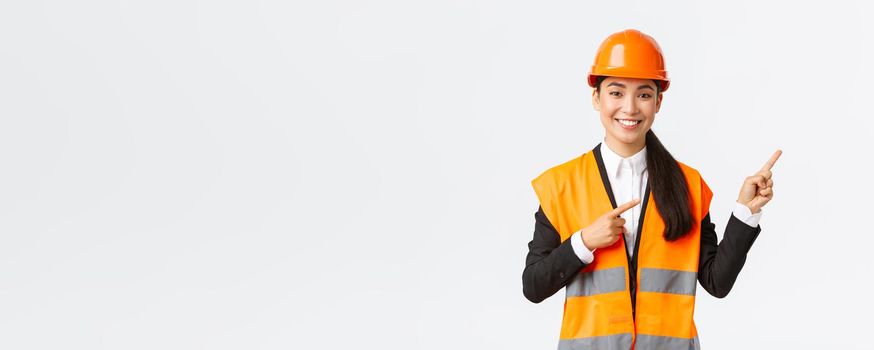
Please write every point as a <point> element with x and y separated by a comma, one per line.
<point>629,122</point>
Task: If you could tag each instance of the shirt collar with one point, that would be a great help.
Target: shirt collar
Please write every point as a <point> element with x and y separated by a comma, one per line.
<point>614,162</point>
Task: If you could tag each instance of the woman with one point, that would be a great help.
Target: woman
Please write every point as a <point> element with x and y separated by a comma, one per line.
<point>631,271</point>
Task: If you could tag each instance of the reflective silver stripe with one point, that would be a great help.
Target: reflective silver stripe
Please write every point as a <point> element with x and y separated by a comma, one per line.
<point>655,342</point>
<point>597,282</point>
<point>615,341</point>
<point>668,281</point>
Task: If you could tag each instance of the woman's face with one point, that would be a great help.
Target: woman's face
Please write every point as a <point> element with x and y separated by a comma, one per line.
<point>631,100</point>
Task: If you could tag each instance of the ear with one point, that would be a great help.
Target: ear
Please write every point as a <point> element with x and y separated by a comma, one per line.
<point>659,101</point>
<point>596,101</point>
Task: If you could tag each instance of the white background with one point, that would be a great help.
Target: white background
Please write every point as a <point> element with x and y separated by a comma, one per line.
<point>351,174</point>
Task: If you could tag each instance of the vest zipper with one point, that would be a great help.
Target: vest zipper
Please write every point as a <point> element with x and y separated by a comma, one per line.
<point>630,259</point>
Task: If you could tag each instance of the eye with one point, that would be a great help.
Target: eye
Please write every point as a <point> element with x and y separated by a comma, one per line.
<point>645,96</point>
<point>615,93</point>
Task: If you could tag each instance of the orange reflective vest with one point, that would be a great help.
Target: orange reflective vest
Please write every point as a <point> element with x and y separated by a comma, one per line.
<point>609,305</point>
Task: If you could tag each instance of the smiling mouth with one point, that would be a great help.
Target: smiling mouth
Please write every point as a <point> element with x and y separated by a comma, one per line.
<point>628,122</point>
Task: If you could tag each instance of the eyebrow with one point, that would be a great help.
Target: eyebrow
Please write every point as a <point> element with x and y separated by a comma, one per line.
<point>623,86</point>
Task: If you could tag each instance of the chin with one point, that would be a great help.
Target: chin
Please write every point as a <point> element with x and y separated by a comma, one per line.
<point>625,137</point>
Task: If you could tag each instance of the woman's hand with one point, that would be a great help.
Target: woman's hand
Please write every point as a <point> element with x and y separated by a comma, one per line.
<point>606,229</point>
<point>757,190</point>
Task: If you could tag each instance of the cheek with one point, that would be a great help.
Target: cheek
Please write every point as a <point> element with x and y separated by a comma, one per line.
<point>607,114</point>
<point>648,109</point>
<point>609,107</point>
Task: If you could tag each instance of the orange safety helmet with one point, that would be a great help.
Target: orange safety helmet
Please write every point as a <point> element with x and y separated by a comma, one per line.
<point>630,54</point>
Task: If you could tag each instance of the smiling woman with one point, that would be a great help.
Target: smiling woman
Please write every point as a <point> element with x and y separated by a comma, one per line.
<point>630,104</point>
<point>630,271</point>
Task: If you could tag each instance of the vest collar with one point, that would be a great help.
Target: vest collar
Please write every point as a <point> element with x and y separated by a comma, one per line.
<point>613,162</point>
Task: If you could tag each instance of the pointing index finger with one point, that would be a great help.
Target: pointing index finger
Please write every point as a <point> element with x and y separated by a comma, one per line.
<point>622,208</point>
<point>773,160</point>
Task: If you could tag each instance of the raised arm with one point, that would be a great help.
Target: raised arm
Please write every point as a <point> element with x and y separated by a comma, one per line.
<point>719,265</point>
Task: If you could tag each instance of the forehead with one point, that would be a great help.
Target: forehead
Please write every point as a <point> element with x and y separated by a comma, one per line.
<point>631,83</point>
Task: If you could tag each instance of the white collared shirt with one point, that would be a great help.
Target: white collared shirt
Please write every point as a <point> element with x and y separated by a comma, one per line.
<point>628,177</point>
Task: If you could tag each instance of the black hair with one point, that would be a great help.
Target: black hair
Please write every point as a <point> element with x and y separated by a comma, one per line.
<point>666,182</point>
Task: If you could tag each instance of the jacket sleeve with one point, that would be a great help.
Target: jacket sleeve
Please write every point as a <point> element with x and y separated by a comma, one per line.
<point>719,265</point>
<point>551,264</point>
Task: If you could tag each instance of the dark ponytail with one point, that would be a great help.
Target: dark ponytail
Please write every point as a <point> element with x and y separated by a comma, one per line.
<point>669,190</point>
<point>667,183</point>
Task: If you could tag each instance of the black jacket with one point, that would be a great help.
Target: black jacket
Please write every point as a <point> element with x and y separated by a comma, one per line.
<point>552,264</point>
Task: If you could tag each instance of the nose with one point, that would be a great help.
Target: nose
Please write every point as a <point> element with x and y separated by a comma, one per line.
<point>629,107</point>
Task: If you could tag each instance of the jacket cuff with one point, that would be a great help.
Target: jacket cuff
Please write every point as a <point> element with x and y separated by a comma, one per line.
<point>740,234</point>
<point>569,263</point>
<point>743,213</point>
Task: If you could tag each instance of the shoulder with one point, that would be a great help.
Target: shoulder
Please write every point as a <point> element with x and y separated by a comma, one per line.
<point>698,188</point>
<point>556,179</point>
<point>694,178</point>
<point>690,172</point>
<point>562,171</point>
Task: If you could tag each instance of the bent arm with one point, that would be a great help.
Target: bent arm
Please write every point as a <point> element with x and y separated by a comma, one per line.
<point>551,264</point>
<point>719,265</point>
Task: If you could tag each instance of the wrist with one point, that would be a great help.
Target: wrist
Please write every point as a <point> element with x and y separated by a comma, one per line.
<point>583,238</point>
<point>753,210</point>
